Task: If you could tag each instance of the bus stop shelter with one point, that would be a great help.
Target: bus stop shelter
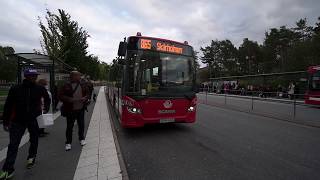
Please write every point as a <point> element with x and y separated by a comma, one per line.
<point>53,70</point>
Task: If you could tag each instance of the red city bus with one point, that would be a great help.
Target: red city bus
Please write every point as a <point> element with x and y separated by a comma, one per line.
<point>158,82</point>
<point>312,95</point>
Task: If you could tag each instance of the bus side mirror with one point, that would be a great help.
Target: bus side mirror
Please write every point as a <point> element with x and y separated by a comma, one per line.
<point>122,48</point>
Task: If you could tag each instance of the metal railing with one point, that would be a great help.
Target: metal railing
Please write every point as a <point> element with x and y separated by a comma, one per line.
<point>280,105</point>
<point>4,89</point>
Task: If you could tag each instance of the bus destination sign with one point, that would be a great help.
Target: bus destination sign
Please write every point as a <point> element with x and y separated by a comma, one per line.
<point>161,46</point>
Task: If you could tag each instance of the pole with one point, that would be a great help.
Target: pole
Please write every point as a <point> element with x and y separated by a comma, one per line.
<point>209,71</point>
<point>51,84</point>
<point>225,98</point>
<point>252,101</point>
<point>19,71</point>
<point>118,102</point>
<point>52,81</point>
<point>294,106</point>
<point>206,97</point>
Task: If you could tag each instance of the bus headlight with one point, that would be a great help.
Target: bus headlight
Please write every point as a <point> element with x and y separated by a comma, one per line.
<point>191,109</point>
<point>134,110</point>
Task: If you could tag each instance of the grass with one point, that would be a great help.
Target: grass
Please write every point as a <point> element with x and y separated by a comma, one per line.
<point>4,92</point>
<point>1,107</point>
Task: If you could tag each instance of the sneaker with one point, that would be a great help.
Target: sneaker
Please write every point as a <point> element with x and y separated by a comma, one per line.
<point>83,142</point>
<point>6,175</point>
<point>31,162</point>
<point>68,147</point>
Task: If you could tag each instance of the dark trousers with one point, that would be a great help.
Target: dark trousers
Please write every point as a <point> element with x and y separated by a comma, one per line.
<point>41,130</point>
<point>16,132</point>
<point>71,118</point>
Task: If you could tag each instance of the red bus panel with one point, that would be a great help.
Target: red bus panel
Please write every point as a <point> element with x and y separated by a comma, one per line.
<point>157,111</point>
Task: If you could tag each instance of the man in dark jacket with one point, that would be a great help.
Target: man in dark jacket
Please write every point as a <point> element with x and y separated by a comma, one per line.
<point>21,109</point>
<point>75,96</point>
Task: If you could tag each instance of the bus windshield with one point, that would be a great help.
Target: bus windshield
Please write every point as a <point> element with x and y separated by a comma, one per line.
<point>159,74</point>
<point>315,81</point>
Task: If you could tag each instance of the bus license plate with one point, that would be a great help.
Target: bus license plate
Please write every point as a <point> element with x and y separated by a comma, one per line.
<point>169,120</point>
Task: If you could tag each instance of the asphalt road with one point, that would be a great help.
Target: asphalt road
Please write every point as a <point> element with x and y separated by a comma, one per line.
<point>222,144</point>
<point>303,114</point>
<point>53,162</point>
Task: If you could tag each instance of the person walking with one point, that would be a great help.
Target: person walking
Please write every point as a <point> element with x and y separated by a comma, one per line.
<point>74,95</point>
<point>21,109</point>
<point>91,88</point>
<point>291,90</point>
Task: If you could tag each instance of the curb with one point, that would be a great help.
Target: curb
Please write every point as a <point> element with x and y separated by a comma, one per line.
<point>123,166</point>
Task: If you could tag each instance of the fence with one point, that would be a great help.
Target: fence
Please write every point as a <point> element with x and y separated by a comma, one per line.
<point>4,89</point>
<point>279,105</point>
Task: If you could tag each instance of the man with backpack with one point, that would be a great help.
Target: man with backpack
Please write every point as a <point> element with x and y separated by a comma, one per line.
<point>75,96</point>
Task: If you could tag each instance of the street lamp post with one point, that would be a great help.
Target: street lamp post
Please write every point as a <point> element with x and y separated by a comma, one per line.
<point>247,58</point>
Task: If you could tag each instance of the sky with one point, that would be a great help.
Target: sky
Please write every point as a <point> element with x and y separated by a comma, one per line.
<point>195,21</point>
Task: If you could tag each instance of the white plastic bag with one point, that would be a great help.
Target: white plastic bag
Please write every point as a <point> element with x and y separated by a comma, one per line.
<point>45,120</point>
<point>59,105</point>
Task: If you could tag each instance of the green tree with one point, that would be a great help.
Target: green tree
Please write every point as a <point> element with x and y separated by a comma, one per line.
<point>64,39</point>
<point>315,41</point>
<point>283,49</point>
<point>228,58</point>
<point>115,72</point>
<point>302,31</point>
<point>211,57</point>
<point>220,57</point>
<point>8,67</point>
<point>276,45</point>
<point>250,57</point>
<point>104,69</point>
<point>196,60</point>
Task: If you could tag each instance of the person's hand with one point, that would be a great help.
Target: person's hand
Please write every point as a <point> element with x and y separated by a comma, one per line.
<point>84,99</point>
<point>45,111</point>
<point>6,128</point>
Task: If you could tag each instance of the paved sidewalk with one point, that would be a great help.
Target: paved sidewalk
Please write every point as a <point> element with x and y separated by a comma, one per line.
<point>4,139</point>
<point>99,159</point>
<point>53,162</point>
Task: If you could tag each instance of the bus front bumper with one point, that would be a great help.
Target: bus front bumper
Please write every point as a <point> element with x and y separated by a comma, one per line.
<point>134,121</point>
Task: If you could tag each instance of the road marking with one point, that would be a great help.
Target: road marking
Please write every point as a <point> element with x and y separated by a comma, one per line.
<point>24,139</point>
<point>99,158</point>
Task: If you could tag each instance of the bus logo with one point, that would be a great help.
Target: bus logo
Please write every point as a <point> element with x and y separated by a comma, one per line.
<point>167,104</point>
